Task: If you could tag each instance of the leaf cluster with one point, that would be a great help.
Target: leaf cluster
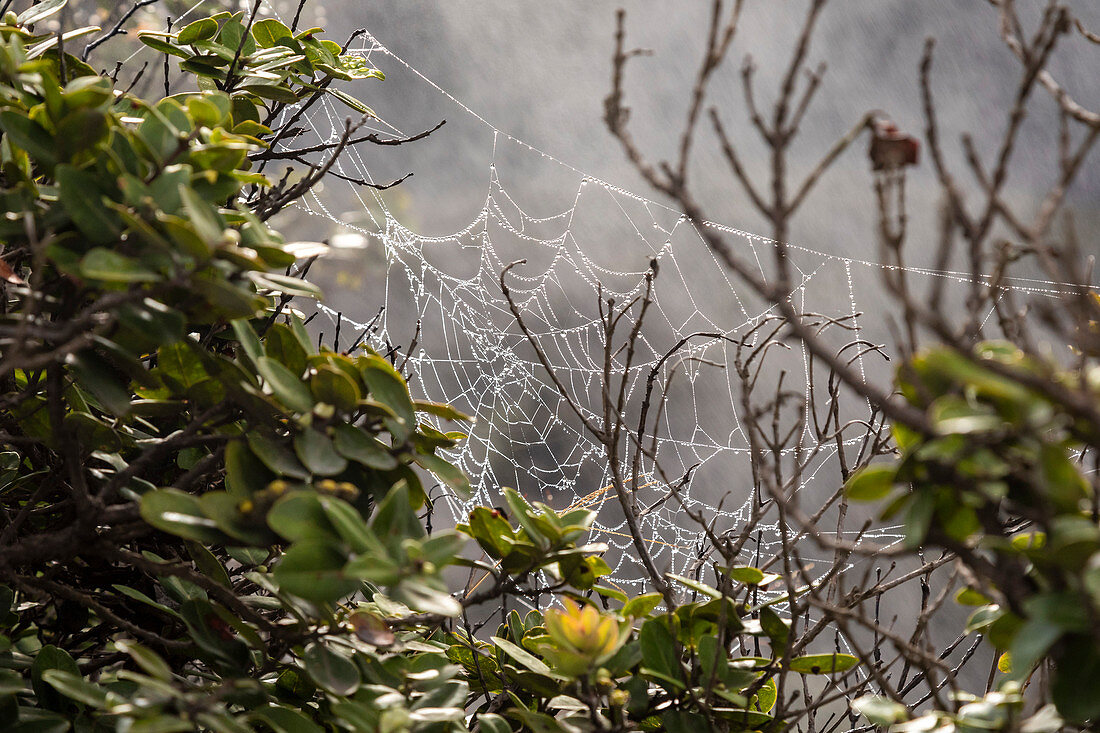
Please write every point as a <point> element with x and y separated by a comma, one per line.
<point>999,482</point>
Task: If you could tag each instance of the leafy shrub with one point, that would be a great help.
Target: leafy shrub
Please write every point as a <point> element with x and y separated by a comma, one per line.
<point>999,484</point>
<point>211,522</point>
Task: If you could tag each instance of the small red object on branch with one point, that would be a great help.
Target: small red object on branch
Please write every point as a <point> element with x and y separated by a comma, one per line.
<point>890,148</point>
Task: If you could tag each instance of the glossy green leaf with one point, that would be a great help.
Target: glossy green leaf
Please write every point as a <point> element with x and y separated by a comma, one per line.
<point>880,710</point>
<point>102,380</point>
<point>641,606</point>
<point>314,570</point>
<point>823,663</point>
<point>332,672</point>
<point>332,386</point>
<point>75,687</point>
<point>317,453</point>
<point>299,516</point>
<point>285,385</point>
<point>200,30</point>
<point>179,513</point>
<point>388,387</point>
<point>285,720</point>
<point>147,659</point>
<point>81,195</point>
<point>278,458</point>
<point>40,11</point>
<point>49,658</point>
<point>268,32</point>
<point>777,629</point>
<point>871,483</point>
<point>358,445</point>
<point>524,657</point>
<point>447,472</point>
<point>659,650</point>
<point>30,136</point>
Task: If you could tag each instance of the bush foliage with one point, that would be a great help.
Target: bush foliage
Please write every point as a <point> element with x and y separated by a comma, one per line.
<point>210,522</point>
<point>213,523</point>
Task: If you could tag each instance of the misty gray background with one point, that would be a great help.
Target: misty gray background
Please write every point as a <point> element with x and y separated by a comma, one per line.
<point>540,71</point>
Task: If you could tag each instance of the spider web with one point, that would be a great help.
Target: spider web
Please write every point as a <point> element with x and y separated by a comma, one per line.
<point>470,353</point>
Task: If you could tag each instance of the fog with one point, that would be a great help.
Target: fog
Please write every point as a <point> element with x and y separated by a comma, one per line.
<point>540,71</point>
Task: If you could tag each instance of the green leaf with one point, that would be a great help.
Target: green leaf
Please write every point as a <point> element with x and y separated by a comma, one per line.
<point>332,672</point>
<point>285,284</point>
<point>744,574</point>
<point>524,657</point>
<point>316,452</point>
<point>208,564</point>
<point>268,32</point>
<point>142,598</point>
<point>332,386</point>
<point>270,91</point>
<point>314,570</point>
<point>358,445</point>
<point>229,300</point>
<point>50,658</point>
<point>285,720</point>
<point>441,410</point>
<point>880,710</point>
<point>1031,643</point>
<point>952,415</point>
<point>248,339</point>
<point>81,195</point>
<point>871,483</point>
<point>1061,478</point>
<point>351,526</point>
<point>158,42</point>
<point>659,650</point>
<point>81,130</point>
<point>491,531</point>
<point>98,376</point>
<point>206,220</point>
<point>285,385</point>
<point>223,723</point>
<point>766,696</point>
<point>75,687</point>
<point>641,606</point>
<point>695,585</point>
<point>388,387</point>
<point>245,473</point>
<point>147,659</point>
<point>683,721</point>
<point>447,472</point>
<point>1075,687</point>
<point>351,101</point>
<point>492,723</point>
<point>300,516</point>
<point>970,597</point>
<point>777,630</point>
<point>179,513</point>
<point>109,266</point>
<point>28,135</point>
<point>395,521</point>
<point>41,11</point>
<point>278,459</point>
<point>823,663</point>
<point>233,36</point>
<point>521,512</point>
<point>200,30</point>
